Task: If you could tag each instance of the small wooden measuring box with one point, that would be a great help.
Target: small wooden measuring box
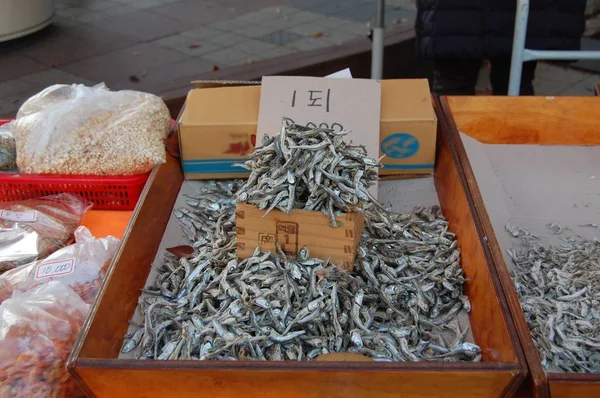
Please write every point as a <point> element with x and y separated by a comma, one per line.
<point>301,228</point>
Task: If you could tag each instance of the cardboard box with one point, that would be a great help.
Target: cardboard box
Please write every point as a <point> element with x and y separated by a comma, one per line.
<point>408,129</point>
<point>216,131</point>
<point>218,128</point>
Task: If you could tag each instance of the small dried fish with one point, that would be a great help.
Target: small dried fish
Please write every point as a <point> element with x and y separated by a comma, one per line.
<point>559,291</point>
<point>401,302</point>
<point>311,169</point>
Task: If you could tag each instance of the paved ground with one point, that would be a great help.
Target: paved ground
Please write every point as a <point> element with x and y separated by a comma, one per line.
<point>142,44</point>
<point>145,44</point>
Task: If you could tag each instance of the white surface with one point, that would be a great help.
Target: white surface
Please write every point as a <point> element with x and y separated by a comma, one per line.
<point>342,74</point>
<point>533,185</point>
<point>22,17</point>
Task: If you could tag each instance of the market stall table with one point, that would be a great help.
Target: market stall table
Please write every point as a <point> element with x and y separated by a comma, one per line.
<point>96,362</point>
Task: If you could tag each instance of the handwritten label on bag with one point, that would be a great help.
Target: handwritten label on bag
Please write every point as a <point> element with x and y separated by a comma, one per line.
<point>55,268</point>
<point>337,104</point>
<point>21,216</point>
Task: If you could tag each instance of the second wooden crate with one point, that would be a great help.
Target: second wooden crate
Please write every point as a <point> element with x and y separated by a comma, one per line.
<point>301,228</point>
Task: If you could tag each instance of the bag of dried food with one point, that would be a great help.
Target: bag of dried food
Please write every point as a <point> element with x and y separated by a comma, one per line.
<point>8,152</point>
<point>81,266</point>
<point>35,228</point>
<point>37,332</point>
<point>90,130</point>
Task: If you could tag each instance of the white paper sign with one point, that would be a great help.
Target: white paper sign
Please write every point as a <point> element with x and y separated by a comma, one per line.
<point>338,104</point>
<point>22,216</point>
<point>55,268</point>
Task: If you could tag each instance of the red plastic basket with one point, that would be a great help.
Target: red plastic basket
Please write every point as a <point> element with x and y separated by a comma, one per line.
<point>106,192</point>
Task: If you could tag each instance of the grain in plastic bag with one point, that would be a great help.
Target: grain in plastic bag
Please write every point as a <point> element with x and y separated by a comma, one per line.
<point>8,151</point>
<point>35,228</point>
<point>82,266</point>
<point>37,332</point>
<point>75,129</point>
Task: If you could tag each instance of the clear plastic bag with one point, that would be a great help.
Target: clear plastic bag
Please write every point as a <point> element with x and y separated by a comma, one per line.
<point>8,152</point>
<point>81,266</point>
<point>35,228</point>
<point>90,130</point>
<point>37,332</point>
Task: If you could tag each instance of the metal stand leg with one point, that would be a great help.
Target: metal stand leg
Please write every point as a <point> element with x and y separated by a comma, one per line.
<point>518,48</point>
<point>377,51</point>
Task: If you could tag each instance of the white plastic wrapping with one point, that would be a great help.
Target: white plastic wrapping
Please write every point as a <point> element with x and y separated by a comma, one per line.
<point>8,152</point>
<point>81,266</point>
<point>37,332</point>
<point>90,130</point>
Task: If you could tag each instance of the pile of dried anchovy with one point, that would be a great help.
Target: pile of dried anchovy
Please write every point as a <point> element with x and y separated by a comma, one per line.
<point>559,291</point>
<point>311,169</point>
<point>399,304</point>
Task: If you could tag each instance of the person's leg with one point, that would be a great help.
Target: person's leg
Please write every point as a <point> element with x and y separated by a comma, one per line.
<point>500,76</point>
<point>455,76</point>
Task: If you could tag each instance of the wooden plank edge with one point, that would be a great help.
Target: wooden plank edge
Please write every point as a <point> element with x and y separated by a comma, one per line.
<point>156,172</point>
<point>573,377</point>
<point>114,363</point>
<point>492,250</point>
<point>448,128</point>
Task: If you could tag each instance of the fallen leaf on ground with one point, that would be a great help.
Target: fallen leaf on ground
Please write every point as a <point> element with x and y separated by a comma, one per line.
<point>194,46</point>
<point>214,68</point>
<point>184,251</point>
<point>136,53</point>
<point>317,34</point>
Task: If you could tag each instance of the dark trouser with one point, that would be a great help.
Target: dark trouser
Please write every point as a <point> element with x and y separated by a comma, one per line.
<point>458,76</point>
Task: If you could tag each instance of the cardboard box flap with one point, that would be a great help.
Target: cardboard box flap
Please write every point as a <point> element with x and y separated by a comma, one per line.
<point>406,99</point>
<point>223,83</point>
<point>236,105</point>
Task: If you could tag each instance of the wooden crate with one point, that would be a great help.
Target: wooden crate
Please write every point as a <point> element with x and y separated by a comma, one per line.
<point>94,360</point>
<point>300,228</point>
<point>523,120</point>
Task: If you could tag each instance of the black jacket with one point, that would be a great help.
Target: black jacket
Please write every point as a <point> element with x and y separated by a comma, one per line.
<point>484,28</point>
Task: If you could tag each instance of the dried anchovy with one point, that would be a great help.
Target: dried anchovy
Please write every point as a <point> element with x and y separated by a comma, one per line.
<point>399,304</point>
<point>311,169</point>
<point>559,291</point>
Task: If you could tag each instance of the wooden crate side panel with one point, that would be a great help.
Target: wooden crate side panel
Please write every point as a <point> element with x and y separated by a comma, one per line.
<point>528,120</point>
<point>311,230</point>
<point>102,333</point>
<point>358,228</point>
<point>183,383</point>
<point>537,377</point>
<point>488,316</point>
<point>574,388</point>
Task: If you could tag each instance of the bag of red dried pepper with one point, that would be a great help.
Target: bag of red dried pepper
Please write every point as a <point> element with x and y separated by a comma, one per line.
<point>81,266</point>
<point>37,332</point>
<point>35,228</point>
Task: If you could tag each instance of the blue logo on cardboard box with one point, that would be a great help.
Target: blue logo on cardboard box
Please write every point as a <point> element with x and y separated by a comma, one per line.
<point>400,145</point>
